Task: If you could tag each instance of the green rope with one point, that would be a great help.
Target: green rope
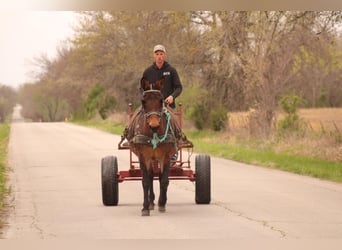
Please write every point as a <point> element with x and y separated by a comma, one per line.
<point>172,132</point>
<point>156,140</point>
<point>168,119</point>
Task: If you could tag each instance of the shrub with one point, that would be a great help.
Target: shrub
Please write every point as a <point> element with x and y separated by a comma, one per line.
<point>98,101</point>
<point>198,114</point>
<point>291,121</point>
<point>108,104</point>
<point>218,117</point>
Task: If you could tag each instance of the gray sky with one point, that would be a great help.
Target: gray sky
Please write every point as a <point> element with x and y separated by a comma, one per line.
<point>25,35</point>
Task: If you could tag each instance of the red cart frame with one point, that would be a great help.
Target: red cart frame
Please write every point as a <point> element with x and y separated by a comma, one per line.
<point>179,169</point>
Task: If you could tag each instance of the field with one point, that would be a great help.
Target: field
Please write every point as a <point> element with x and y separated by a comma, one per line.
<point>323,119</point>
<point>317,120</point>
<point>321,136</point>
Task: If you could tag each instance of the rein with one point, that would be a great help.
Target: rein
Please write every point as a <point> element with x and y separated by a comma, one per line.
<point>156,139</point>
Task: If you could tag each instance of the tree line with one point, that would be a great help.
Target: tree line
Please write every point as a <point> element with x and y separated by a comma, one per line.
<point>8,99</point>
<point>227,61</point>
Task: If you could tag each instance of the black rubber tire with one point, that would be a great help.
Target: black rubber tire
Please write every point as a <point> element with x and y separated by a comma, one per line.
<point>203,186</point>
<point>109,178</point>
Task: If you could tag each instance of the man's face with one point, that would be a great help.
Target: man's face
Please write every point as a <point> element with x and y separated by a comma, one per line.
<point>159,57</point>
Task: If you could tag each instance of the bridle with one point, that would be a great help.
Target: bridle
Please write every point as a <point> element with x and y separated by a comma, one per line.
<point>158,113</point>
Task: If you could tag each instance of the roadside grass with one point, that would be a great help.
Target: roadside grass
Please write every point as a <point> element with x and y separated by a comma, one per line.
<point>210,143</point>
<point>105,125</point>
<point>4,138</point>
<point>298,164</point>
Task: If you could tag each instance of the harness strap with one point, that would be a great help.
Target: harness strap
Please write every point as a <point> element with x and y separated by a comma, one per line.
<point>143,139</point>
<point>153,113</point>
<point>134,136</point>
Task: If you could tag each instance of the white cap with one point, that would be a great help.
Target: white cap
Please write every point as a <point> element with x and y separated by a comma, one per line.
<point>159,47</point>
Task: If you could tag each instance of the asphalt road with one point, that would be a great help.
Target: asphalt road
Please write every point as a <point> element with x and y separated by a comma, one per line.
<point>55,180</point>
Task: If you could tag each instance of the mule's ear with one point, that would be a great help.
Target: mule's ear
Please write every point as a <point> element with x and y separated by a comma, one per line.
<point>159,83</point>
<point>144,84</point>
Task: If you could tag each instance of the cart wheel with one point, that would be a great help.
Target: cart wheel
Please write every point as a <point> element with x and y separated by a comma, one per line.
<point>110,186</point>
<point>202,167</point>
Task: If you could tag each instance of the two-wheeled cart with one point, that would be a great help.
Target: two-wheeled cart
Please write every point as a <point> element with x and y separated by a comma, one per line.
<point>180,169</point>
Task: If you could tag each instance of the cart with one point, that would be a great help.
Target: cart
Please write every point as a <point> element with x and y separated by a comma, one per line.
<point>180,169</point>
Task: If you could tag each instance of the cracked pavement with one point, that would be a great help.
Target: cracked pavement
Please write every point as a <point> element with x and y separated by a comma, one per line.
<point>56,194</point>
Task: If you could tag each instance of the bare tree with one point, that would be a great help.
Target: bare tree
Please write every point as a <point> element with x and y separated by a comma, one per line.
<point>236,59</point>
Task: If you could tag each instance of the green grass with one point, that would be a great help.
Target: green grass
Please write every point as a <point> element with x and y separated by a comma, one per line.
<point>292,163</point>
<point>252,154</point>
<point>105,125</point>
<point>207,142</point>
<point>4,137</point>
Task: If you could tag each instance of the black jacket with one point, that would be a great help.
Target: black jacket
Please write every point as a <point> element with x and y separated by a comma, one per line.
<point>172,84</point>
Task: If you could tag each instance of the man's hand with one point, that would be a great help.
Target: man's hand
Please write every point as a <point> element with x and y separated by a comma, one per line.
<point>169,100</point>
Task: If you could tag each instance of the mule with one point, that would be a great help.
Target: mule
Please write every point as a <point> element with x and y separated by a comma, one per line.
<point>153,136</point>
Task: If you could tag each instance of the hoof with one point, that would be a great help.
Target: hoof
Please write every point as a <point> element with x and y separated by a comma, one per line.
<point>151,206</point>
<point>145,212</point>
<point>162,209</point>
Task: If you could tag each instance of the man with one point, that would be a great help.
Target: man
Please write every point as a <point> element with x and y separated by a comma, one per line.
<point>172,85</point>
<point>161,68</point>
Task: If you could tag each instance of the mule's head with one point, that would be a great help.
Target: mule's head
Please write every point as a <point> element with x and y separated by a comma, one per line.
<point>152,103</point>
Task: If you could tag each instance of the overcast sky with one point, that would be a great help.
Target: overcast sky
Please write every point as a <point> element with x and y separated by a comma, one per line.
<point>25,35</point>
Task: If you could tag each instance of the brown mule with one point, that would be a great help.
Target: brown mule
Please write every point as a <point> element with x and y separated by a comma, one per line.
<point>153,136</point>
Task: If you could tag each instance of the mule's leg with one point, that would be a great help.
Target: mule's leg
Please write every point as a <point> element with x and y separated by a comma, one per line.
<point>164,183</point>
<point>146,187</point>
<point>151,192</point>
